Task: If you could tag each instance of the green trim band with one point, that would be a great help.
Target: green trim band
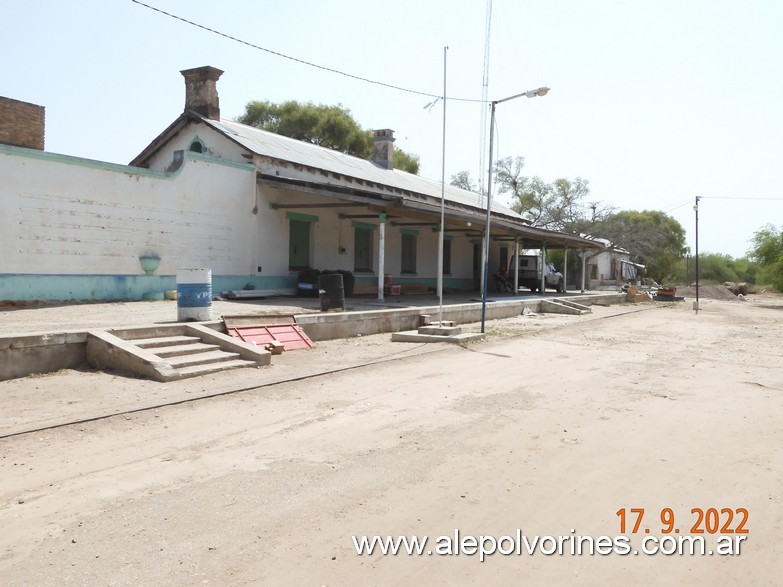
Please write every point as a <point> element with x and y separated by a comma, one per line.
<point>409,231</point>
<point>364,225</point>
<point>301,217</point>
<point>115,167</point>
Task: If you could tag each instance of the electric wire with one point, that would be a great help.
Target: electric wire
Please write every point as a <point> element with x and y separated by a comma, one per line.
<point>301,61</point>
<point>740,198</point>
<point>685,203</point>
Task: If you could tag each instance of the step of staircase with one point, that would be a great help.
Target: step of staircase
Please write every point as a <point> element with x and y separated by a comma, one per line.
<point>564,307</point>
<point>163,341</point>
<point>165,352</point>
<point>197,370</point>
<point>201,359</point>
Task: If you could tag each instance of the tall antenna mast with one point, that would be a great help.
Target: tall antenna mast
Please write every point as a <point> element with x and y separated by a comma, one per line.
<point>484,99</point>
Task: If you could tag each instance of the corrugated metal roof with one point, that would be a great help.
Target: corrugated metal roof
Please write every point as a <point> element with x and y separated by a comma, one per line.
<point>276,146</point>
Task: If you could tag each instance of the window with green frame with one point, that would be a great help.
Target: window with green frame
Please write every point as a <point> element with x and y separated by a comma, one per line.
<point>408,254</point>
<point>362,249</point>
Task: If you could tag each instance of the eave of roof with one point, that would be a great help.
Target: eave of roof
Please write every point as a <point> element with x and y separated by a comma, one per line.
<point>425,194</point>
<point>142,159</point>
<point>267,144</point>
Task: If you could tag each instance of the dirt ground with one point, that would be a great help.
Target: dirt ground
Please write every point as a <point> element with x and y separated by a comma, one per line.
<point>551,426</point>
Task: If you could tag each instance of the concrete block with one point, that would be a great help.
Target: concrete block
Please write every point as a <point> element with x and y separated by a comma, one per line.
<point>414,336</point>
<point>275,347</point>
<point>440,330</point>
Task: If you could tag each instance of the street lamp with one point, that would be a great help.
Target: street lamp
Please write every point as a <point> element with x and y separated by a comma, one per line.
<point>528,94</point>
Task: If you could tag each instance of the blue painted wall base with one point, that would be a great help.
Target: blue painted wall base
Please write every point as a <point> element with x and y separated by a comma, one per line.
<point>29,287</point>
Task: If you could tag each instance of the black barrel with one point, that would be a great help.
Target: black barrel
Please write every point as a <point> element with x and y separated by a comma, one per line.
<point>330,290</point>
<point>348,282</point>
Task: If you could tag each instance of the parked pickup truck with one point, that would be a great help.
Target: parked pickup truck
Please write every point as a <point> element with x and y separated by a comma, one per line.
<point>530,274</point>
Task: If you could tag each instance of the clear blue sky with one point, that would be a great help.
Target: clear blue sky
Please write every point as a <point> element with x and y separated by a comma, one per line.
<point>653,102</point>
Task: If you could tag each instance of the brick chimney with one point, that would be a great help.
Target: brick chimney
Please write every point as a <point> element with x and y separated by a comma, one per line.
<point>22,124</point>
<point>383,148</point>
<point>201,91</point>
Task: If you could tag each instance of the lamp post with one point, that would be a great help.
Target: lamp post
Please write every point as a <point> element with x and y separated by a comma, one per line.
<point>528,94</point>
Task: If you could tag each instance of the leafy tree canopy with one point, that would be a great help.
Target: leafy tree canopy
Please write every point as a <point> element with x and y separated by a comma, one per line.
<point>463,180</point>
<point>651,236</point>
<point>405,161</point>
<point>767,250</point>
<point>560,205</point>
<point>332,127</point>
<point>715,268</point>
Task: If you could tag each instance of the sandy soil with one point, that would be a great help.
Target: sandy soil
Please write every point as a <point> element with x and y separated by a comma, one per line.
<point>553,424</point>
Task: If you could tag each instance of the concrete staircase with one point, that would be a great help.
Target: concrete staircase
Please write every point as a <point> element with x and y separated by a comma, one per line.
<point>167,353</point>
<point>562,306</point>
<point>190,356</point>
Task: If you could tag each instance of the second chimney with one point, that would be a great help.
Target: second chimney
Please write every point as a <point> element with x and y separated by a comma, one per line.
<point>383,148</point>
<point>201,91</point>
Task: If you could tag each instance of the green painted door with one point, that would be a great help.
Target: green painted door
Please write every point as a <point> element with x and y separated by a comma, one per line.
<point>299,244</point>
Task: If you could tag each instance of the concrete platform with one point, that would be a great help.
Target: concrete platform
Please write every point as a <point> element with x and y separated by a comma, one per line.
<point>415,336</point>
<point>63,343</point>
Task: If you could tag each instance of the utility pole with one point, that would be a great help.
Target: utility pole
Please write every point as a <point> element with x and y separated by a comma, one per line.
<point>696,209</point>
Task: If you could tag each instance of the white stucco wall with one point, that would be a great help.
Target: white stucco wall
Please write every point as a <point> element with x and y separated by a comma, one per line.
<point>604,263</point>
<point>67,215</point>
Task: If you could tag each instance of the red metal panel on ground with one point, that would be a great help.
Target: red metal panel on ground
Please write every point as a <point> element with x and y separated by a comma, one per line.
<point>291,336</point>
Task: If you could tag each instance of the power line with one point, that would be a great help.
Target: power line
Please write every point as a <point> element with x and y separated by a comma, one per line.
<point>685,203</point>
<point>301,61</point>
<point>742,198</point>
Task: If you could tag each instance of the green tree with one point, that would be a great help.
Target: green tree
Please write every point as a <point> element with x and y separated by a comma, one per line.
<point>746,270</point>
<point>463,180</point>
<point>767,250</point>
<point>652,237</point>
<point>405,161</point>
<point>332,127</point>
<point>559,205</point>
<point>717,268</point>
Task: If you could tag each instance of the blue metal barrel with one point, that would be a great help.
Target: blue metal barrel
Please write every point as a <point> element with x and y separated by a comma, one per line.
<point>194,294</point>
